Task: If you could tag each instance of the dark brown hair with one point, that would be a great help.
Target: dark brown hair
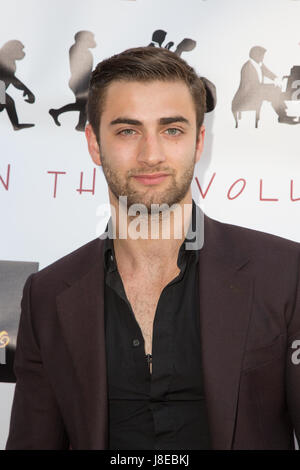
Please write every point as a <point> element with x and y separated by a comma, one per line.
<point>142,64</point>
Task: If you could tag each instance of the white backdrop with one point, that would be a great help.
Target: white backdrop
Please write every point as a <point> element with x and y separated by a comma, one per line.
<point>36,226</point>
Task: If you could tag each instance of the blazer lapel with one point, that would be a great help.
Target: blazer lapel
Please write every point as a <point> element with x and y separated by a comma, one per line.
<point>225,292</point>
<point>81,314</point>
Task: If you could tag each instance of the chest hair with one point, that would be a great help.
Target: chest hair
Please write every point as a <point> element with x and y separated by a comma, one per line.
<point>143,295</point>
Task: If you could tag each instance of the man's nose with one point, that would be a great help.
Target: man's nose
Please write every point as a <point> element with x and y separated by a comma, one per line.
<point>151,150</point>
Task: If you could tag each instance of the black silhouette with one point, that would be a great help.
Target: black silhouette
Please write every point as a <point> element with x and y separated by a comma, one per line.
<point>253,91</point>
<point>158,37</point>
<point>81,66</point>
<point>186,45</point>
<point>10,52</point>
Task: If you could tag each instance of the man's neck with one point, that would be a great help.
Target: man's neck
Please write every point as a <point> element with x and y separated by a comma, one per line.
<point>159,253</point>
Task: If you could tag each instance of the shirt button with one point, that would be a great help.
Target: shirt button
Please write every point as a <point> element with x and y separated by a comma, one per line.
<point>135,342</point>
<point>111,257</point>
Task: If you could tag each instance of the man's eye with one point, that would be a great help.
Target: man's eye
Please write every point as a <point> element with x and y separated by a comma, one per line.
<point>174,129</point>
<point>126,131</point>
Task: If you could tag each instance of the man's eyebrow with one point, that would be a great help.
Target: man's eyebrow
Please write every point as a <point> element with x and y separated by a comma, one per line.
<point>162,121</point>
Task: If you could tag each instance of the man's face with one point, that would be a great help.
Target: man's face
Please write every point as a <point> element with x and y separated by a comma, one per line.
<point>147,128</point>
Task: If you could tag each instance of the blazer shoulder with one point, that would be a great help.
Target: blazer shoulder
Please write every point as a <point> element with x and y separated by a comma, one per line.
<point>249,239</point>
<point>72,265</point>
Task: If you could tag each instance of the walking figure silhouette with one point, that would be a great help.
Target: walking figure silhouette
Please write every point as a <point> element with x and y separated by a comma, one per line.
<point>81,66</point>
<point>10,52</point>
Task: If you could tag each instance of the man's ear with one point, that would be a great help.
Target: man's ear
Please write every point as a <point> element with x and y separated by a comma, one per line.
<point>93,146</point>
<point>200,143</point>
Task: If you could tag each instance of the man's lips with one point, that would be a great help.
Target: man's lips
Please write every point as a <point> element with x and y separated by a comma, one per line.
<point>151,179</point>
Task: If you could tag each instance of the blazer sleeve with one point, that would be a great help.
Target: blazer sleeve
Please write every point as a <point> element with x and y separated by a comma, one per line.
<point>293,357</point>
<point>35,422</point>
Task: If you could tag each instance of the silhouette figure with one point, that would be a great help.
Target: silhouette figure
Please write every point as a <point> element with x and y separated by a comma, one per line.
<point>253,91</point>
<point>158,37</point>
<point>81,66</point>
<point>186,45</point>
<point>10,52</point>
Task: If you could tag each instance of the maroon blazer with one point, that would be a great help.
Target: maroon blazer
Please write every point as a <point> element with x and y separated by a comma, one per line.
<point>249,315</point>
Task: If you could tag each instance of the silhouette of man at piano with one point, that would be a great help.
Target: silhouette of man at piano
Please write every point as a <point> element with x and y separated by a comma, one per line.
<point>252,91</point>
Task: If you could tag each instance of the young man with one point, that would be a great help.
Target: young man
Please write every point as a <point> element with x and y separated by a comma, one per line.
<point>151,342</point>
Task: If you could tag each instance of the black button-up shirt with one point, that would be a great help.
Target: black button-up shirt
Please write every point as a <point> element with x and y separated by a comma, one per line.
<point>165,409</point>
